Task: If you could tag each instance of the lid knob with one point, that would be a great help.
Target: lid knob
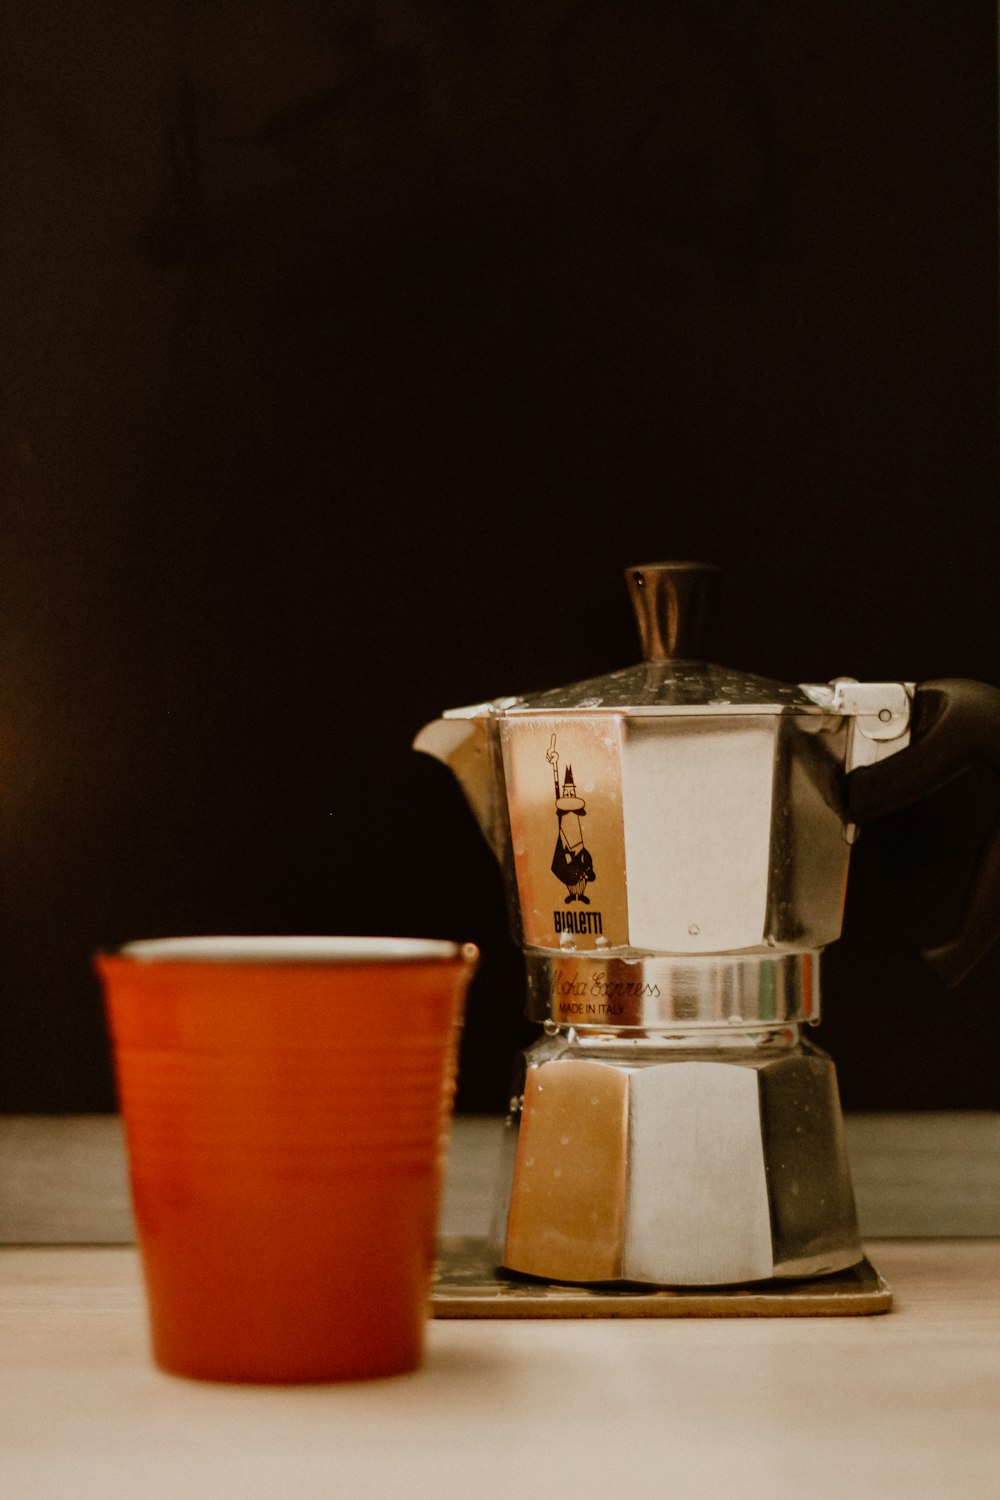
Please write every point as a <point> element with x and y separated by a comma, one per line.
<point>671,602</point>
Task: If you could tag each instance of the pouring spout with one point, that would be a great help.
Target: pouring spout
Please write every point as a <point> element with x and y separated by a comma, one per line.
<point>466,741</point>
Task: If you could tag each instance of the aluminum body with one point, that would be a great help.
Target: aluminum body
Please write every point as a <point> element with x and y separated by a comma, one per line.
<point>690,831</point>
<point>675,852</point>
<point>640,1163</point>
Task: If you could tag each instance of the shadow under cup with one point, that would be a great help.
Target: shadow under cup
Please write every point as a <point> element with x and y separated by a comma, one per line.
<point>286,1106</point>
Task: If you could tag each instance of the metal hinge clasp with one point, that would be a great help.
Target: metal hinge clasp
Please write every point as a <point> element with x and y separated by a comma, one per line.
<point>878,714</point>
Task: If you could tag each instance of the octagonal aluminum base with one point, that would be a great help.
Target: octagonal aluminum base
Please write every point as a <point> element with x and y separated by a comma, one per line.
<point>687,1169</point>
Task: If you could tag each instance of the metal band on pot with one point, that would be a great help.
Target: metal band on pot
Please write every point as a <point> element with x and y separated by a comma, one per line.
<point>656,993</point>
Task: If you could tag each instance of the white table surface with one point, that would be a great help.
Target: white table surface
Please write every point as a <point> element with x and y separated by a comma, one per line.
<point>899,1405</point>
<point>872,1408</point>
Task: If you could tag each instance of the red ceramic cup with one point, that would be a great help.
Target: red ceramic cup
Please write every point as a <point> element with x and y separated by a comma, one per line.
<point>286,1104</point>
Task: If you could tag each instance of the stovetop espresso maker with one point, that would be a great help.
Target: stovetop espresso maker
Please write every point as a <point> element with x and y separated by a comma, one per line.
<point>675,838</point>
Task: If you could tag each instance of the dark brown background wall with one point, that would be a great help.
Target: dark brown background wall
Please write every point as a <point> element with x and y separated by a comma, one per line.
<point>351,350</point>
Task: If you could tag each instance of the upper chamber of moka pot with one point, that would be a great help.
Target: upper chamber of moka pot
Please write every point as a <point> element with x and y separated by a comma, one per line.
<point>674,833</point>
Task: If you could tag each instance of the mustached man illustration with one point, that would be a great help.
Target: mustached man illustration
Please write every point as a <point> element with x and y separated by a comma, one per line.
<point>571,862</point>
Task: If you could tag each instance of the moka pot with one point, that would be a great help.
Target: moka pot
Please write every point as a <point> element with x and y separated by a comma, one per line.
<point>675,838</point>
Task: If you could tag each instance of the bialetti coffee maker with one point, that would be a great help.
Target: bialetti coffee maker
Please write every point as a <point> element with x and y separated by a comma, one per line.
<point>676,838</point>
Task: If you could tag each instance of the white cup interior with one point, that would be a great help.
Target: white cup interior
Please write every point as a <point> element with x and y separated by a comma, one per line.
<point>299,950</point>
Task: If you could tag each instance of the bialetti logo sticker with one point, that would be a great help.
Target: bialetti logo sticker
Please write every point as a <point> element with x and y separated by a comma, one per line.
<point>572,863</point>
<point>563,782</point>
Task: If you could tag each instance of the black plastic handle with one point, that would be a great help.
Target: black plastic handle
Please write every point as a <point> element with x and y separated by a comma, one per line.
<point>955,724</point>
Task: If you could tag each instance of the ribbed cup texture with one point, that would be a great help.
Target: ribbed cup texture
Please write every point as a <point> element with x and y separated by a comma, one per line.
<point>286,1127</point>
<point>367,1107</point>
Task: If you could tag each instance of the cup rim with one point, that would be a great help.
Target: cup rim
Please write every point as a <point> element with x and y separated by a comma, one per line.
<point>280,949</point>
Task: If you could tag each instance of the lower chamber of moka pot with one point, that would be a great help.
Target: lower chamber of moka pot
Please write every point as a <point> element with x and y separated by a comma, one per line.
<point>647,1176</point>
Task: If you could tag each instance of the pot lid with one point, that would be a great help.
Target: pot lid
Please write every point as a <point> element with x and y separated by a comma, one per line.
<point>671,601</point>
